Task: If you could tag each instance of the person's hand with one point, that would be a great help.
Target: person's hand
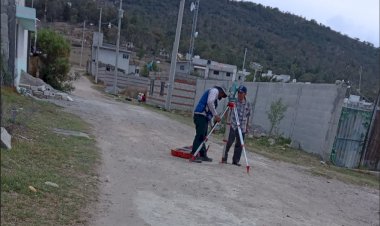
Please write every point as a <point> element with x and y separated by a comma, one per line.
<point>217,119</point>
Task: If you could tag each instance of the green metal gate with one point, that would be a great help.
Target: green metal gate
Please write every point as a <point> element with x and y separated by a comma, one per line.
<point>350,138</point>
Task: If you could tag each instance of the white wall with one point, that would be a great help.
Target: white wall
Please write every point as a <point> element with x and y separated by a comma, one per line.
<point>107,56</point>
<point>22,52</point>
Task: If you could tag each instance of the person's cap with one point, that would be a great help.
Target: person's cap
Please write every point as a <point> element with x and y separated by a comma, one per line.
<point>223,90</point>
<point>242,89</point>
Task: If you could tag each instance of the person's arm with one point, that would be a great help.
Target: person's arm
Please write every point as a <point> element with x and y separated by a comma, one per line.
<point>212,96</point>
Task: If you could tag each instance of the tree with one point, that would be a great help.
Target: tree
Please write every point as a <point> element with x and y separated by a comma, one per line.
<point>55,57</point>
<point>275,115</point>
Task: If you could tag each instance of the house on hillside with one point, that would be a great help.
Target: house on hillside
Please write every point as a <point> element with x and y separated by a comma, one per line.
<point>207,69</point>
<point>107,57</point>
<point>15,26</point>
<point>242,75</point>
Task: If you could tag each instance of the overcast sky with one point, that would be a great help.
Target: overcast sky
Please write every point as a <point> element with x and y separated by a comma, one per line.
<point>355,18</point>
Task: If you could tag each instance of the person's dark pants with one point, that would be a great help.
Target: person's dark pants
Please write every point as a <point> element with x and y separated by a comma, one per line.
<point>234,135</point>
<point>201,125</point>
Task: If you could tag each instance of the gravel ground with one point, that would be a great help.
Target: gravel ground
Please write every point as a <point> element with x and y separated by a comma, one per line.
<point>142,184</point>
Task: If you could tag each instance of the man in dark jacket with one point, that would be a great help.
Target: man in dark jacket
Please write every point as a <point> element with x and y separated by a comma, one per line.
<point>203,113</point>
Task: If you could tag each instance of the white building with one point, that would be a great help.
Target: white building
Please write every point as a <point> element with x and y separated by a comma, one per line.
<point>107,56</point>
<point>207,69</point>
<point>25,21</point>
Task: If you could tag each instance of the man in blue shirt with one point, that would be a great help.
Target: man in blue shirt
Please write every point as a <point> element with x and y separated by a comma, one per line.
<point>203,113</point>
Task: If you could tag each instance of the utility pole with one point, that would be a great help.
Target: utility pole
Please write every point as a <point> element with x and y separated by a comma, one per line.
<point>245,54</point>
<point>194,7</point>
<point>81,51</point>
<point>97,50</point>
<point>120,15</point>
<point>45,11</point>
<point>173,63</point>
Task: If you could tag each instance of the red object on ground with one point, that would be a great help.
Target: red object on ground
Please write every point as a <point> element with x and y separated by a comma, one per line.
<point>184,152</point>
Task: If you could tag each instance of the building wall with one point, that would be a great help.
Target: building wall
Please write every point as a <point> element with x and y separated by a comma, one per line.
<point>22,52</point>
<point>222,75</point>
<point>107,56</point>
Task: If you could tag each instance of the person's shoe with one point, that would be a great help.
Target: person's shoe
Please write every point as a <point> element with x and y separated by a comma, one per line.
<point>224,161</point>
<point>206,159</point>
<point>236,164</point>
<point>196,159</point>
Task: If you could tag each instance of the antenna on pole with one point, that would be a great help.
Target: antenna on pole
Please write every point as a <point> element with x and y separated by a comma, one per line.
<point>193,7</point>
<point>360,78</point>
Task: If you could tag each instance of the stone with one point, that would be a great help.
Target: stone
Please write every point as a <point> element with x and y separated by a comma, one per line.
<point>271,141</point>
<point>46,93</point>
<point>41,88</point>
<point>51,184</point>
<point>6,139</point>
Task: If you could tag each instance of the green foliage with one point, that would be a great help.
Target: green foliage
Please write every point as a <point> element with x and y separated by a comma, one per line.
<point>275,115</point>
<point>55,57</point>
<point>140,53</point>
<point>145,72</point>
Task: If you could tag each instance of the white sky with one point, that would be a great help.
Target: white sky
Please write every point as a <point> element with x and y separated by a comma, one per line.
<point>355,18</point>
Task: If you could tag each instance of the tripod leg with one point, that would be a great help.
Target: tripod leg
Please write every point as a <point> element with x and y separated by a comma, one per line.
<point>241,139</point>
<point>208,135</point>
<point>226,135</point>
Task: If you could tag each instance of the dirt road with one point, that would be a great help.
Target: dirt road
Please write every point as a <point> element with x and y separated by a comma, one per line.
<point>142,184</point>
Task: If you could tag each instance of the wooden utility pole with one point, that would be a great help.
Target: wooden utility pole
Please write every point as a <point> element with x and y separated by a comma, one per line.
<point>81,51</point>
<point>173,63</point>
<point>97,49</point>
<point>120,15</point>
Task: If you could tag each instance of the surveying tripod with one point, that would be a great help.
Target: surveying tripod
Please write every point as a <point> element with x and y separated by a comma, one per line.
<point>231,107</point>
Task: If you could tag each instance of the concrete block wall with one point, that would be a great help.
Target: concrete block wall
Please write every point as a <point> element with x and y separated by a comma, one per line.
<point>312,115</point>
<point>123,80</point>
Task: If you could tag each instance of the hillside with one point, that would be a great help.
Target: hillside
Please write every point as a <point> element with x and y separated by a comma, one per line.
<point>282,42</point>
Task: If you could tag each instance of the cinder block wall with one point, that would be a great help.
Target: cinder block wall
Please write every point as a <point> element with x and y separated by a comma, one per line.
<point>123,80</point>
<point>312,115</point>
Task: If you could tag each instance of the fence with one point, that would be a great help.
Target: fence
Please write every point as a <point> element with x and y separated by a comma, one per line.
<point>350,138</point>
<point>182,96</point>
<point>131,82</point>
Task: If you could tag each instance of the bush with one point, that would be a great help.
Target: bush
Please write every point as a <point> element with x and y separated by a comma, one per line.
<point>55,57</point>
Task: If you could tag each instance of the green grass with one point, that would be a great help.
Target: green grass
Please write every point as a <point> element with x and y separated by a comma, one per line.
<point>39,155</point>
